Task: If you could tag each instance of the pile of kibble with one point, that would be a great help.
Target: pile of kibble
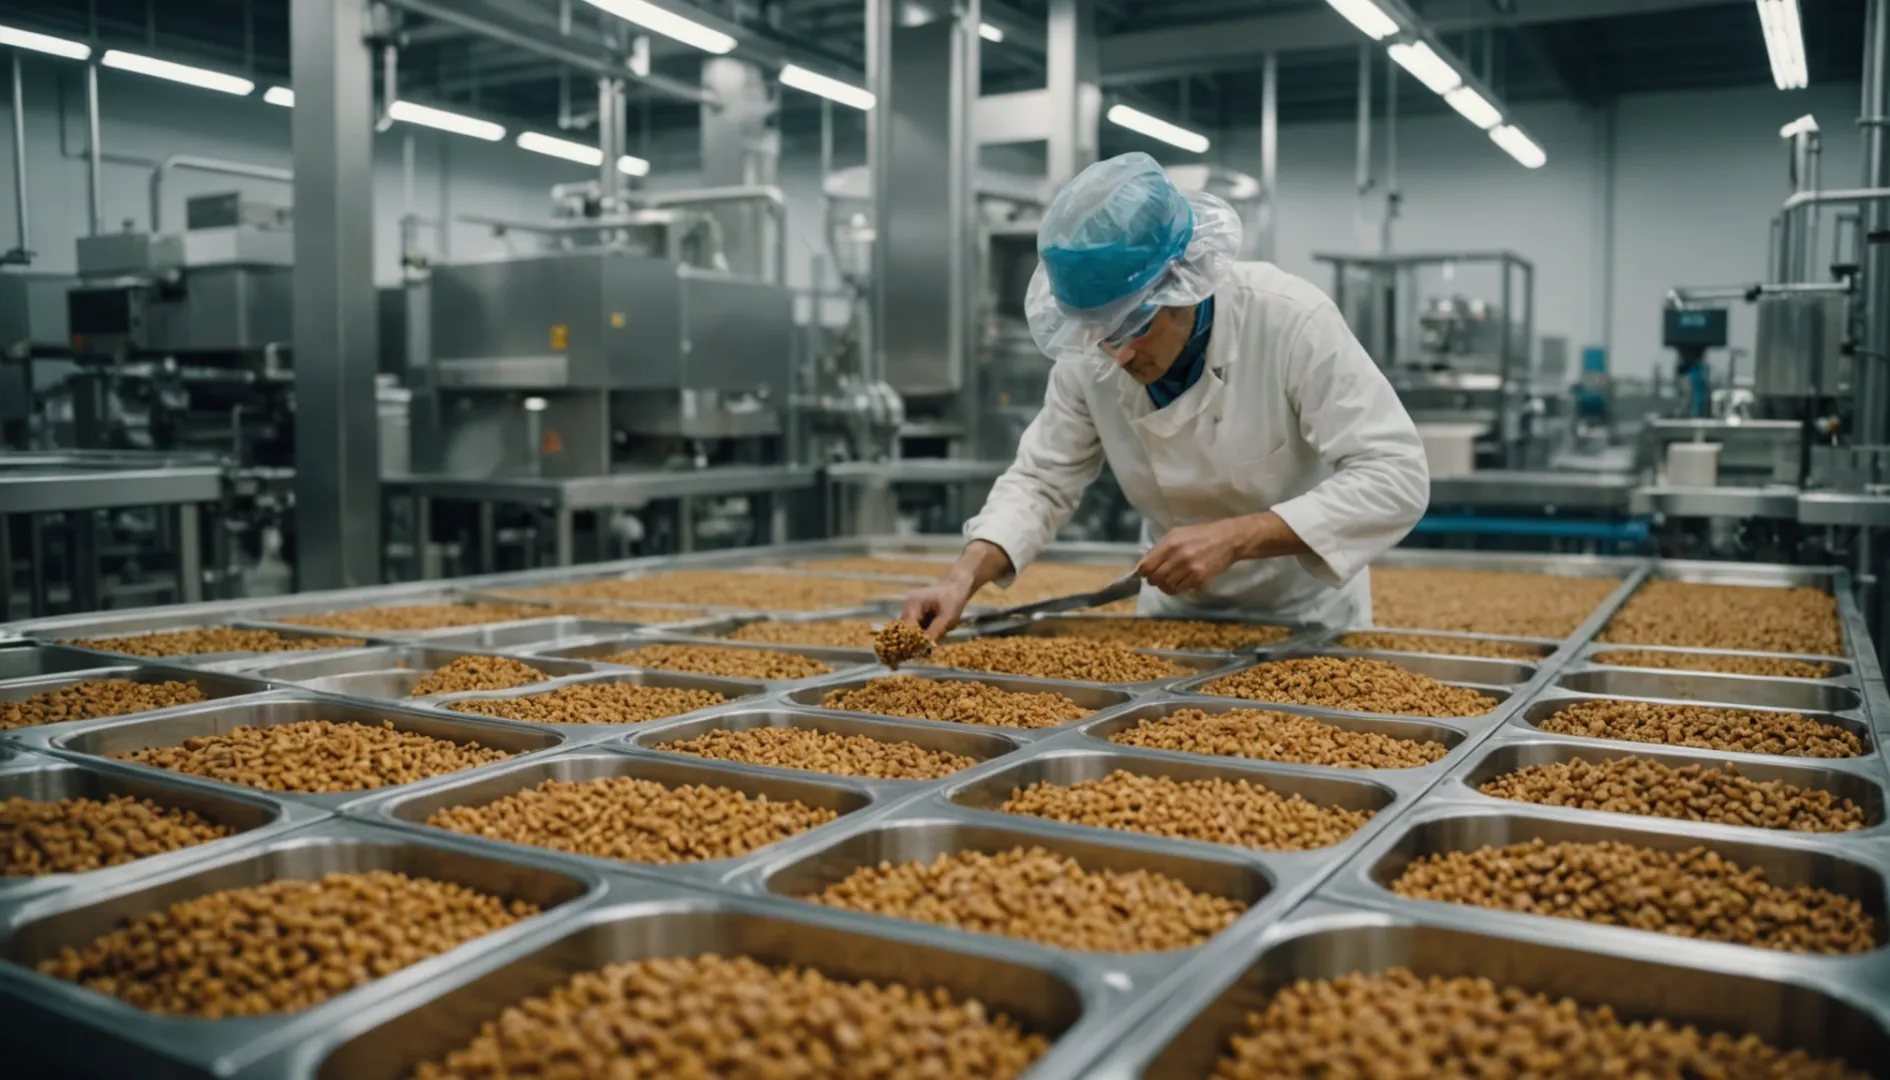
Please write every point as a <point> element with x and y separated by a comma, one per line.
<point>622,817</point>
<point>1243,813</point>
<point>316,757</point>
<point>899,642</point>
<point>1197,634</point>
<point>1056,658</point>
<point>594,703</point>
<point>832,633</point>
<point>209,640</point>
<point>282,946</point>
<point>417,616</point>
<point>1716,794</point>
<point>1744,731</point>
<point>732,1017</point>
<point>1275,736</point>
<point>823,752</point>
<point>1354,683</point>
<point>955,701</point>
<point>1385,641</point>
<point>1485,601</point>
<point>928,569</point>
<point>1749,617</point>
<point>477,673</point>
<point>1696,893</point>
<point>1397,1026</point>
<point>93,699</point>
<point>1039,896</point>
<point>1724,663</point>
<point>72,836</point>
<point>745,590</point>
<point>724,660</point>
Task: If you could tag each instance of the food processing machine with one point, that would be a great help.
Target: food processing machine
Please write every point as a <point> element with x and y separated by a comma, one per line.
<point>1314,914</point>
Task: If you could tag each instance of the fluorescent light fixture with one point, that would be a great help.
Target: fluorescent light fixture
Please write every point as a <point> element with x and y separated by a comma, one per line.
<point>1473,107</point>
<point>668,23</point>
<point>1367,16</point>
<point>1426,66</point>
<point>427,116</point>
<point>1784,43</point>
<point>1799,126</point>
<point>815,83</point>
<point>1519,146</point>
<point>280,95</point>
<point>183,73</point>
<point>630,165</point>
<point>1173,134</point>
<point>26,39</point>
<point>989,32</point>
<point>560,148</point>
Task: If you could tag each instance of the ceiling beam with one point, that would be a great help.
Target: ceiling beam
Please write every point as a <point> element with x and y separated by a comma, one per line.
<point>1235,44</point>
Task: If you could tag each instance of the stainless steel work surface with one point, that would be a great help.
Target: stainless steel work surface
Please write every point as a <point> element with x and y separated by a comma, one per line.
<point>1312,913</point>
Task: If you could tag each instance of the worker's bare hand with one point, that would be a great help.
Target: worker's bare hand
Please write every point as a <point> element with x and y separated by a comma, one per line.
<point>1190,556</point>
<point>937,607</point>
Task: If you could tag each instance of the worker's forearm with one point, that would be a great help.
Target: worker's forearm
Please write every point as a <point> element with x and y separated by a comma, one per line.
<point>1266,535</point>
<point>982,563</point>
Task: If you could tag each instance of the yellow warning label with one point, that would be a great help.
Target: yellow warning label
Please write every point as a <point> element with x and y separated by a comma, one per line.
<point>552,444</point>
<point>560,336</point>
<point>617,320</point>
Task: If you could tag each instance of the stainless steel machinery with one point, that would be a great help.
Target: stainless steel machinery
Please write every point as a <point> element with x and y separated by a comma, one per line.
<point>1167,1015</point>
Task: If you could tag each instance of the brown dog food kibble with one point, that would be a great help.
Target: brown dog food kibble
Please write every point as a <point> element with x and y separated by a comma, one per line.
<point>955,701</point>
<point>1276,736</point>
<point>1696,893</point>
<point>900,641</point>
<point>209,640</point>
<point>725,660</point>
<point>417,616</point>
<point>72,836</point>
<point>1743,731</point>
<point>1716,794</point>
<point>1485,601</point>
<point>831,633</point>
<point>929,569</point>
<point>1056,658</point>
<point>477,673</point>
<point>748,591</point>
<point>1199,634</point>
<point>1335,682</point>
<point>1748,617</point>
<point>1724,663</point>
<point>594,703</point>
<point>1396,1026</point>
<point>824,752</point>
<point>1039,896</point>
<point>708,1016</point>
<point>1431,643</point>
<point>283,946</point>
<point>316,757</point>
<point>1243,813</point>
<point>94,699</point>
<point>622,817</point>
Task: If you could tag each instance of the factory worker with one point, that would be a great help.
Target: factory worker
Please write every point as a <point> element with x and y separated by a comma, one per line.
<point>1269,457</point>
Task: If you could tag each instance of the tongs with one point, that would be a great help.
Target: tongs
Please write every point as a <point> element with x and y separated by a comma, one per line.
<point>1123,587</point>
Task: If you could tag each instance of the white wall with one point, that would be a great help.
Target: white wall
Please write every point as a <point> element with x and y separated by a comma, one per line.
<point>1696,177</point>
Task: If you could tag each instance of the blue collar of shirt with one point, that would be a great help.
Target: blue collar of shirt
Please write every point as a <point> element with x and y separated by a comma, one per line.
<point>1187,368</point>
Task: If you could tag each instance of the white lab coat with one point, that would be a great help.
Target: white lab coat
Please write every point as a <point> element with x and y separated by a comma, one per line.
<point>1290,415</point>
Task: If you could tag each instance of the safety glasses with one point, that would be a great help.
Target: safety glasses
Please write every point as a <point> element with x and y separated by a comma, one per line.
<point>1133,325</point>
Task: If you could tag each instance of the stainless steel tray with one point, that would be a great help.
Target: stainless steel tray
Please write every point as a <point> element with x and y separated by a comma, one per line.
<point>384,673</point>
<point>1799,695</point>
<point>26,660</point>
<point>1499,679</point>
<point>734,690</point>
<point>215,687</point>
<point>89,1032</point>
<point>598,650</point>
<point>1453,736</point>
<point>1548,704</point>
<point>979,744</point>
<point>1093,696</point>
<point>94,739</point>
<point>410,810</point>
<point>158,620</point>
<point>526,634</point>
<point>256,816</point>
<point>1843,672</point>
<point>1328,640</point>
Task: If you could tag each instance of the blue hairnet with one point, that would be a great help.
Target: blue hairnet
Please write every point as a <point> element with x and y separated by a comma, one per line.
<point>1119,239</point>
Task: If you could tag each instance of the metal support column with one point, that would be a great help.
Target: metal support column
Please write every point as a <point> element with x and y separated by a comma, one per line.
<point>1269,158</point>
<point>190,552</point>
<point>740,149</point>
<point>1872,378</point>
<point>95,156</point>
<point>1363,180</point>
<point>1075,93</point>
<point>337,456</point>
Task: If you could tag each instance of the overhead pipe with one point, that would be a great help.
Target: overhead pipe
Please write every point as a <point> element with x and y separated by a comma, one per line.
<point>771,198</point>
<point>24,252</point>
<point>1872,379</point>
<point>208,165</point>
